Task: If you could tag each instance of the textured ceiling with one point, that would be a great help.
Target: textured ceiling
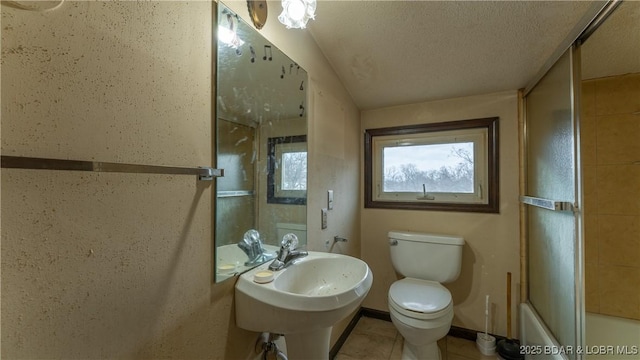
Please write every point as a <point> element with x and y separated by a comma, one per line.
<point>614,48</point>
<point>398,52</point>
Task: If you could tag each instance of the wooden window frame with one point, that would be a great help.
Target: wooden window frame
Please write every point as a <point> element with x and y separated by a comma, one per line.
<point>492,166</point>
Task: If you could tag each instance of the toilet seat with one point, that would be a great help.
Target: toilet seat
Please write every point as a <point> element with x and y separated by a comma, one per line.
<point>420,299</point>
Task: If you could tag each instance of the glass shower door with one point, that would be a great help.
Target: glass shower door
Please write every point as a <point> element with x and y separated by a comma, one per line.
<point>554,223</point>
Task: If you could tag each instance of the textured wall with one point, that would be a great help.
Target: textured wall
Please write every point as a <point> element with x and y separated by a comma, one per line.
<point>108,81</point>
<point>120,265</point>
<point>492,240</point>
<point>110,265</point>
<point>610,129</point>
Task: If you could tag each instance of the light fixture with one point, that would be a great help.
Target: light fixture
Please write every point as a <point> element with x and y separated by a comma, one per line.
<point>296,13</point>
<point>257,12</point>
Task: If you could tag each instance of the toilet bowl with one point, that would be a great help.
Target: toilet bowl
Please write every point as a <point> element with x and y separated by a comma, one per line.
<point>422,312</point>
<point>421,308</point>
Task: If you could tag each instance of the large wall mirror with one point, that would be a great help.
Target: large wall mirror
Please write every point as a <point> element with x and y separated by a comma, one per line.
<point>261,129</point>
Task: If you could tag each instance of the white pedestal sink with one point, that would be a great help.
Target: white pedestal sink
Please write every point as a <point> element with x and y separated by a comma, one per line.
<point>303,301</point>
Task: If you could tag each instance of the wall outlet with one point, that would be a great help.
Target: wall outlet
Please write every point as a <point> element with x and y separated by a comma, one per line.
<point>324,218</point>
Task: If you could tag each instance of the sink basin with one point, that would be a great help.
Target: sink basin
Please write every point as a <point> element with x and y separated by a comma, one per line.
<point>303,301</point>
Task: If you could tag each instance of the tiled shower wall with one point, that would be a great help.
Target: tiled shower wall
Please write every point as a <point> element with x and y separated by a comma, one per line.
<point>610,140</point>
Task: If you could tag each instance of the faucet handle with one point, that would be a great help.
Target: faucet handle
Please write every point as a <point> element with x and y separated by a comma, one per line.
<point>251,236</point>
<point>289,241</point>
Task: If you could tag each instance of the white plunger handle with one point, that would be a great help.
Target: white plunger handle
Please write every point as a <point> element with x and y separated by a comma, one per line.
<point>486,315</point>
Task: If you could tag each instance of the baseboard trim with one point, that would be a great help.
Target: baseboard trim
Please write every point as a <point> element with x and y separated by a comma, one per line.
<point>345,334</point>
<point>376,314</point>
<point>455,331</point>
<point>468,334</point>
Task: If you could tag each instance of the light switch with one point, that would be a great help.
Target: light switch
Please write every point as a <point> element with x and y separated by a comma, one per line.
<point>330,199</point>
<point>324,218</point>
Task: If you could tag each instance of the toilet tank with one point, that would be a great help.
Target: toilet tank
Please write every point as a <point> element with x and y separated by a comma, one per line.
<point>426,256</point>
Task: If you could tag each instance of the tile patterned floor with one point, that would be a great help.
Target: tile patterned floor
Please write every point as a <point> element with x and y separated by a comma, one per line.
<point>374,339</point>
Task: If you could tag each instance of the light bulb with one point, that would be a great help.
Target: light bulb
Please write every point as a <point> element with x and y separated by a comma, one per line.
<point>296,13</point>
<point>296,10</point>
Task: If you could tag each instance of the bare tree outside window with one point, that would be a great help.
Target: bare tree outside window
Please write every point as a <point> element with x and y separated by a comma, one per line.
<point>445,168</point>
<point>294,171</point>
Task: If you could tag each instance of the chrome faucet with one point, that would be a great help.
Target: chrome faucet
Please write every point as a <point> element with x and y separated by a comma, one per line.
<point>288,253</point>
<point>252,246</point>
<point>339,239</point>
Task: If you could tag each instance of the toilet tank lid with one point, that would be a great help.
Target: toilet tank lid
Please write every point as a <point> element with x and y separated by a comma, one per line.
<point>424,237</point>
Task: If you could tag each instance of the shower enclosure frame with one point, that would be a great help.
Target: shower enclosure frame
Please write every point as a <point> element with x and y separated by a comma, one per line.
<point>570,48</point>
<point>561,208</point>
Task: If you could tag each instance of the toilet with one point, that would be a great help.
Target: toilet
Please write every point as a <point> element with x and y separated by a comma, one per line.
<point>420,307</point>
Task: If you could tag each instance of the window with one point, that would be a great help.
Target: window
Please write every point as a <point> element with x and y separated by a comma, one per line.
<point>294,171</point>
<point>443,166</point>
<point>287,166</point>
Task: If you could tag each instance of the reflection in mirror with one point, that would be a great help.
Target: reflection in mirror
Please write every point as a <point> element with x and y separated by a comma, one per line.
<point>261,128</point>
<point>287,170</point>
